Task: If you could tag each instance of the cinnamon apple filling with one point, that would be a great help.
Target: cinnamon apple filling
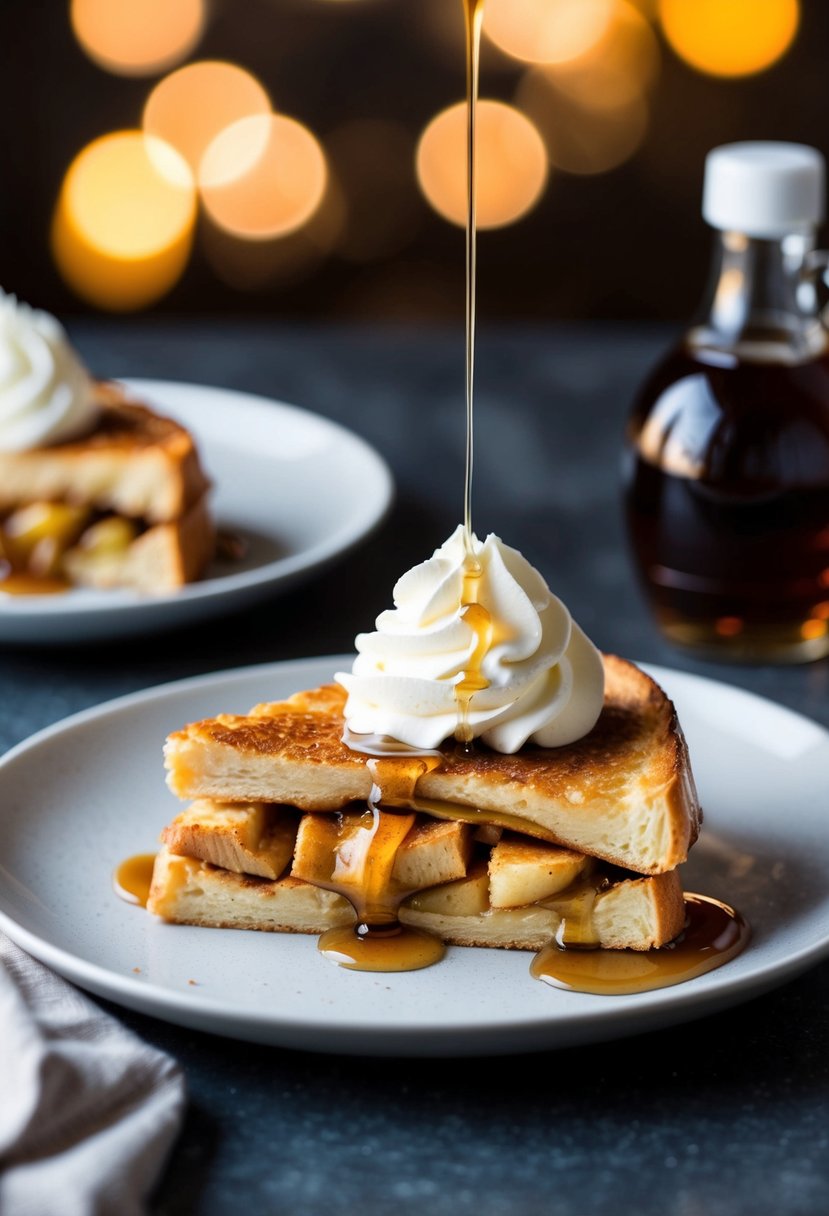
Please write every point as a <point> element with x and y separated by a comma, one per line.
<point>49,546</point>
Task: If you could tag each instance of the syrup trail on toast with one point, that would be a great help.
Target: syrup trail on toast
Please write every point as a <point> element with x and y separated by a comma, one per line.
<point>379,942</point>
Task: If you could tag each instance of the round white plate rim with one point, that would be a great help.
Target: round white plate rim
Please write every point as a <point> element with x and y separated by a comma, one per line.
<point>679,1003</point>
<point>275,571</point>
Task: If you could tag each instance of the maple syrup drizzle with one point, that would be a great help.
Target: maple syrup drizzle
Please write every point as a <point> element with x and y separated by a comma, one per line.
<point>133,878</point>
<point>439,809</point>
<point>356,853</point>
<point>575,905</point>
<point>714,934</point>
<point>472,678</point>
<point>395,782</point>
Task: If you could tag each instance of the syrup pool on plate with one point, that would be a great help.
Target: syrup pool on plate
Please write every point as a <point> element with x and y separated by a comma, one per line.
<point>714,934</point>
<point>133,877</point>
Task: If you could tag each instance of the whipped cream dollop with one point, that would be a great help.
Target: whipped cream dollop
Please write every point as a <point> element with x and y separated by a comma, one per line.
<point>545,678</point>
<point>46,393</point>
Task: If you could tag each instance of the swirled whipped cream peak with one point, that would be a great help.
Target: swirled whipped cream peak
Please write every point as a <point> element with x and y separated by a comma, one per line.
<point>46,393</point>
<point>544,679</point>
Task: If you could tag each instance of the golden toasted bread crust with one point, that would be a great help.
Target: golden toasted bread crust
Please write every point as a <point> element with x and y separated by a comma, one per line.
<point>623,793</point>
<point>136,462</point>
<point>306,727</point>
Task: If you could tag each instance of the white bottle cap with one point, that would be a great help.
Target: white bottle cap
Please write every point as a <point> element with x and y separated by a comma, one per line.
<point>764,189</point>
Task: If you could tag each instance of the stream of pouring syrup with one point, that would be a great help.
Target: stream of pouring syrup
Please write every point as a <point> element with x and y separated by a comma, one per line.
<point>473,11</point>
<point>474,614</point>
<point>379,941</point>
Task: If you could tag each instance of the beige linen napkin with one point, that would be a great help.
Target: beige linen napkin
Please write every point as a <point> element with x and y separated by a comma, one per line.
<point>88,1112</point>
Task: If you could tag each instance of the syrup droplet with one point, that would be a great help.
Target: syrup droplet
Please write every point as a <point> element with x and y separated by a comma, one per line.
<point>133,878</point>
<point>393,947</point>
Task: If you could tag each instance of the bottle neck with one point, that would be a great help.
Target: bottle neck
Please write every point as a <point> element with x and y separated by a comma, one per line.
<point>762,301</point>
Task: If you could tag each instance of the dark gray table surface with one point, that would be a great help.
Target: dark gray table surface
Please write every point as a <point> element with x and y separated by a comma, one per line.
<point>721,1117</point>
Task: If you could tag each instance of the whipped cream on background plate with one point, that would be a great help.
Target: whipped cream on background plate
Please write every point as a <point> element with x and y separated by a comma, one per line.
<point>545,677</point>
<point>46,393</point>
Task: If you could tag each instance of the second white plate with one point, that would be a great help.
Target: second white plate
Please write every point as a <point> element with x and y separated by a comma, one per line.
<point>89,792</point>
<point>299,489</point>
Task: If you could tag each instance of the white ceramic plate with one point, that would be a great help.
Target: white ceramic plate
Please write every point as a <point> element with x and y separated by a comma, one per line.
<point>85,794</point>
<point>301,490</point>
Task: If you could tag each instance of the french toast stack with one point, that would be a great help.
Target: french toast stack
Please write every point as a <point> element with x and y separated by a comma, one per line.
<point>582,841</point>
<point>125,506</point>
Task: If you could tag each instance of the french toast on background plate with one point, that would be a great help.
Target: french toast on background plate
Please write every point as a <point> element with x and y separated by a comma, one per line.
<point>123,506</point>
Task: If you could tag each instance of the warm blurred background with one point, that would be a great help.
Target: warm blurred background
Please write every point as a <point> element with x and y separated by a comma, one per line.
<point>305,158</point>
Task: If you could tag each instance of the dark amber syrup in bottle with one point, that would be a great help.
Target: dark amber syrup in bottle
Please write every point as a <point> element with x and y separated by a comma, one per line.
<point>727,497</point>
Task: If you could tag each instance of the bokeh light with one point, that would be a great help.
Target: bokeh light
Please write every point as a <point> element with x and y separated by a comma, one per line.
<point>511,170</point>
<point>623,65</point>
<point>730,37</point>
<point>190,107</point>
<point>372,158</point>
<point>577,139</point>
<point>123,225</point>
<point>546,31</point>
<point>277,204</point>
<point>280,189</point>
<point>137,39</point>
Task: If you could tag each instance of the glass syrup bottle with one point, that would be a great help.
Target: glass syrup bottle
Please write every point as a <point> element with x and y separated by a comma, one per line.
<point>727,448</point>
